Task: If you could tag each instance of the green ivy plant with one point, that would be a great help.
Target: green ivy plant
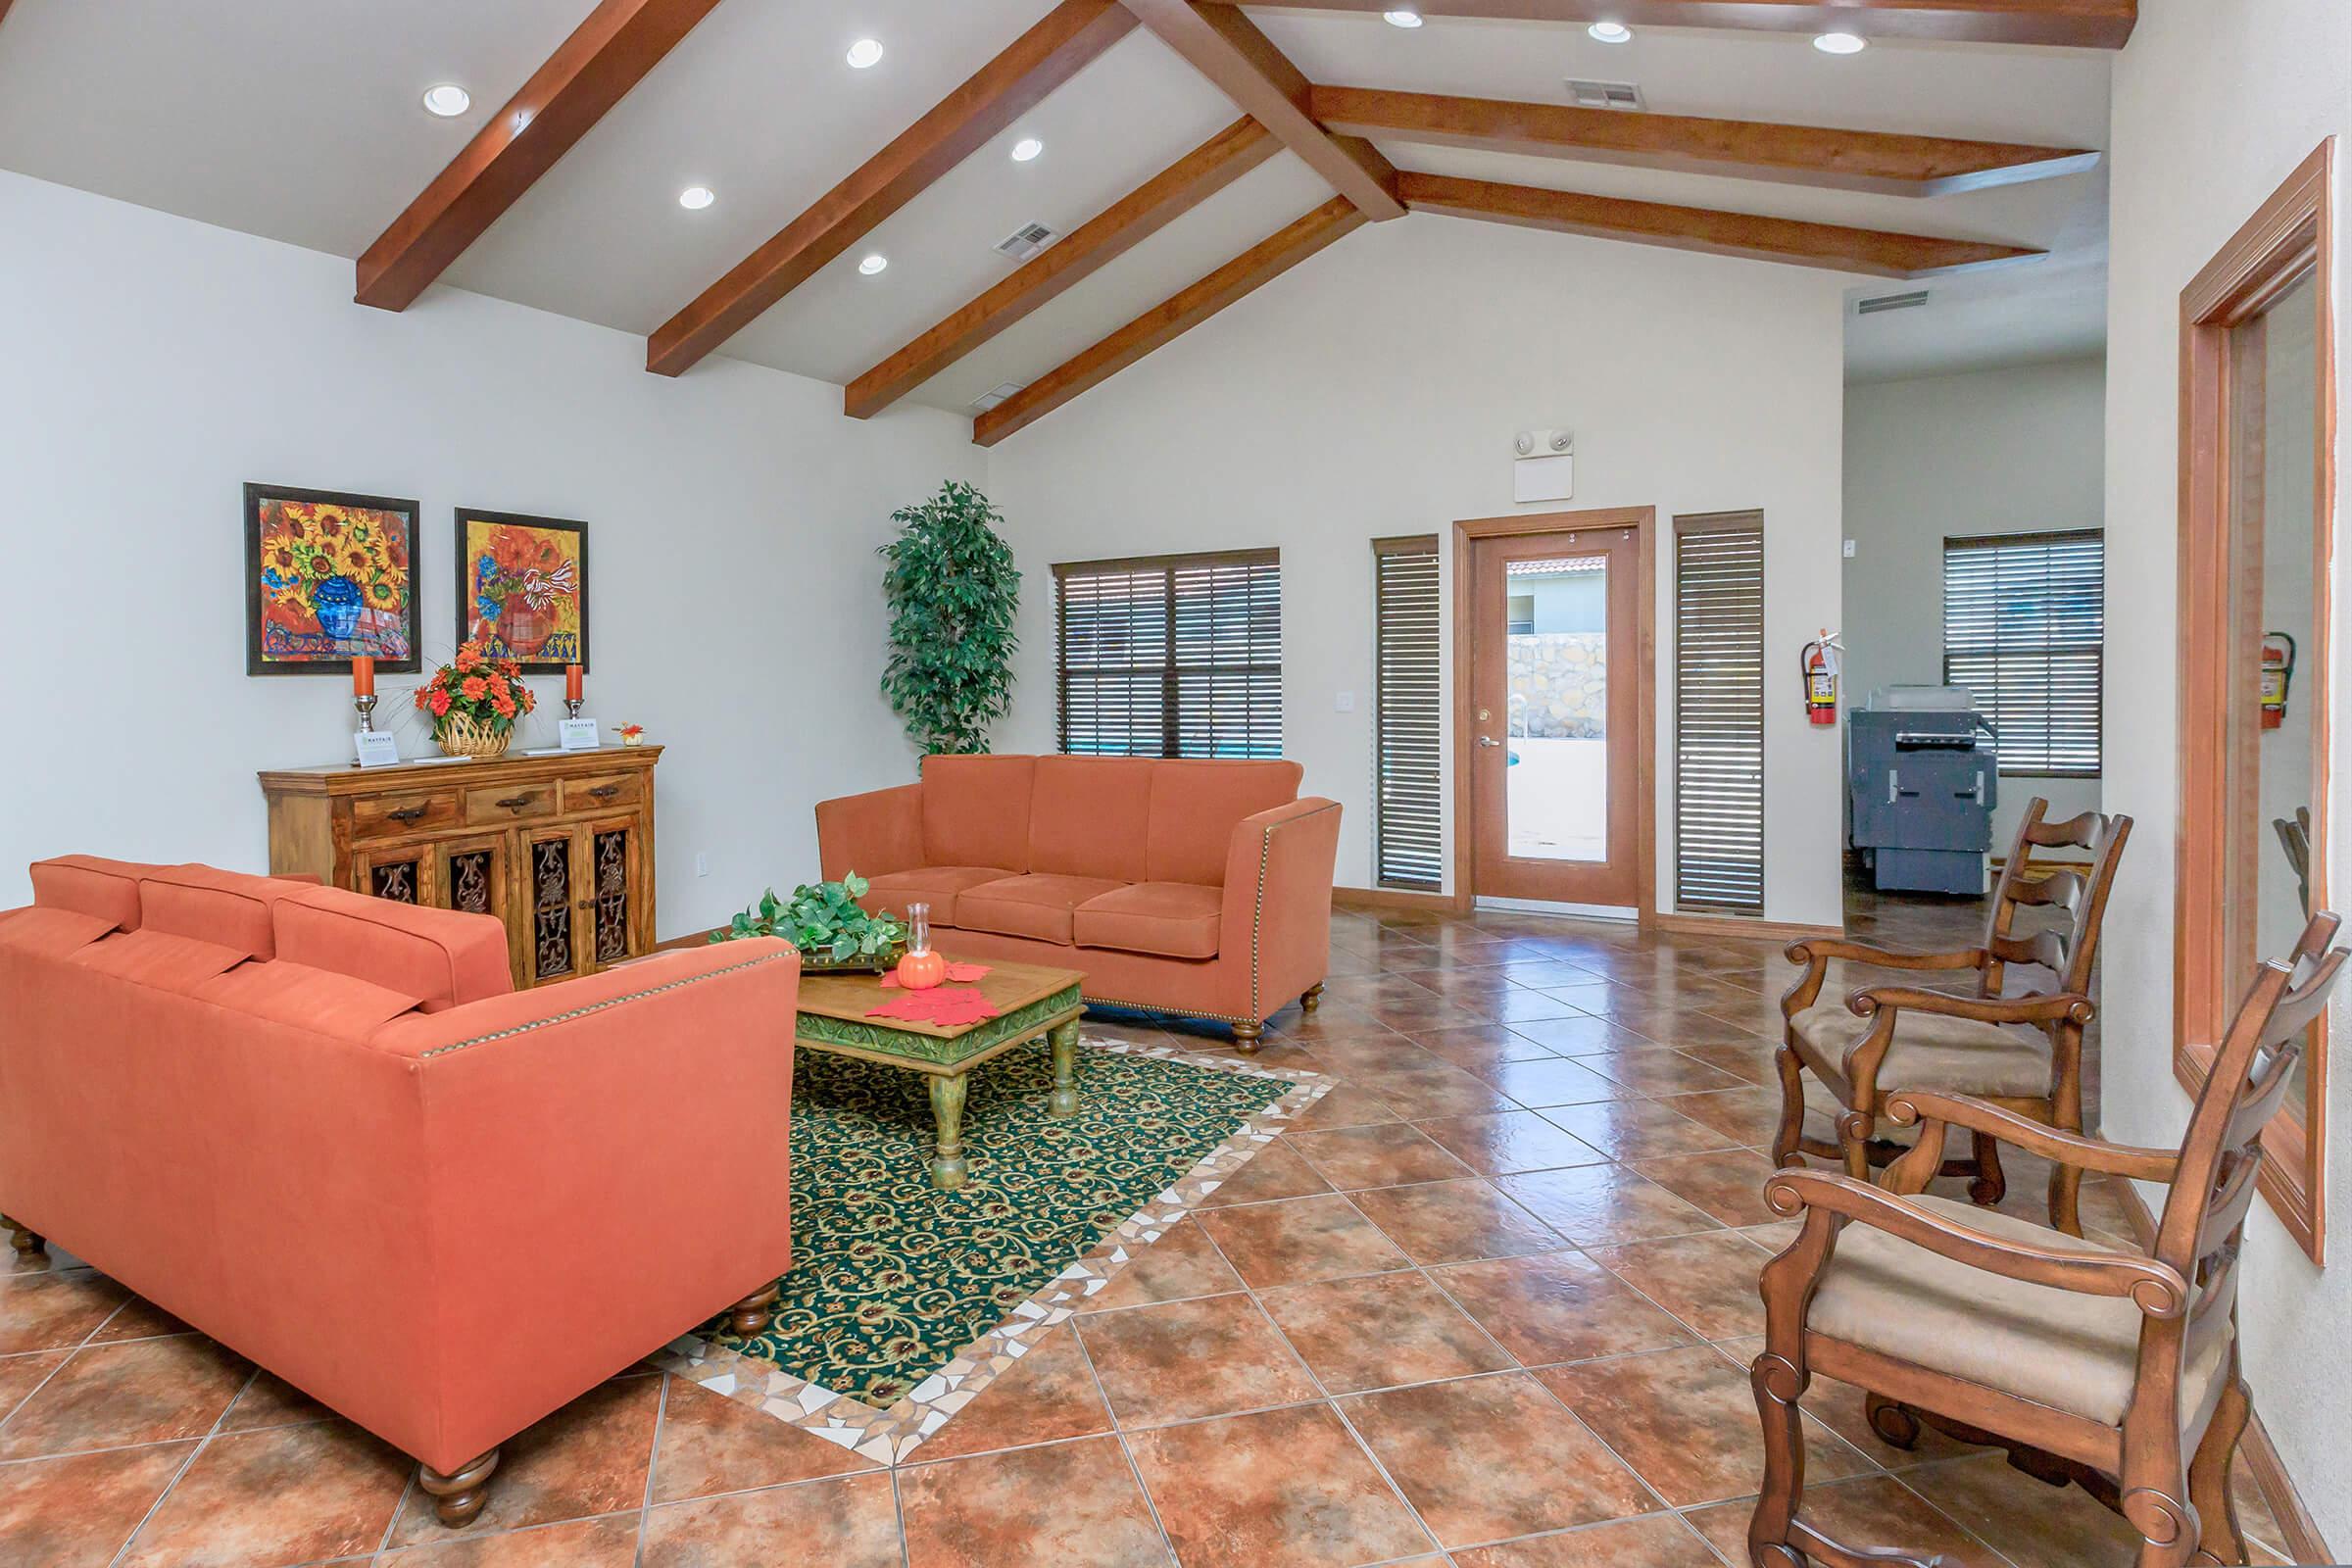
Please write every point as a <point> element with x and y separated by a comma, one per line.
<point>825,923</point>
<point>952,588</point>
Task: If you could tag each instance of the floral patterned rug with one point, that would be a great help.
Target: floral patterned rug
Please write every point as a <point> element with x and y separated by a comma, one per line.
<point>891,1278</point>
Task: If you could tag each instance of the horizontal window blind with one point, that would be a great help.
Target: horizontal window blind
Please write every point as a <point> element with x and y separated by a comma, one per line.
<point>1407,828</point>
<point>1171,656</point>
<point>2025,627</point>
<point>1719,714</point>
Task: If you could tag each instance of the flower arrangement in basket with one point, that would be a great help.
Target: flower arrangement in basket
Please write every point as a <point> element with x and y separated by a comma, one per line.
<point>473,703</point>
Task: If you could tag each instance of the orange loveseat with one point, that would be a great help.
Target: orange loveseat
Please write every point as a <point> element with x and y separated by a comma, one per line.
<point>1200,887</point>
<point>325,1130</point>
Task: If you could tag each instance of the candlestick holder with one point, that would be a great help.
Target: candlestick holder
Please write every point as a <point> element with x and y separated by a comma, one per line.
<point>572,706</point>
<point>366,707</point>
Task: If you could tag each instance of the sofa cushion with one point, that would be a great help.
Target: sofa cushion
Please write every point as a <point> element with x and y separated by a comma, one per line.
<point>1195,807</point>
<point>935,885</point>
<point>224,907</point>
<point>163,959</point>
<point>1175,919</point>
<point>439,955</point>
<point>1039,908</point>
<point>92,885</point>
<point>976,810</point>
<point>319,1000</point>
<point>52,933</point>
<point>1090,817</point>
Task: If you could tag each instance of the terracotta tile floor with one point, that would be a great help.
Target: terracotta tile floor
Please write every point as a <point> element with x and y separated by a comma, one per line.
<point>1489,1304</point>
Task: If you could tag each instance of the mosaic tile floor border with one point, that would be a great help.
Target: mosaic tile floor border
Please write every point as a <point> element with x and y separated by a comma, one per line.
<point>891,1436</point>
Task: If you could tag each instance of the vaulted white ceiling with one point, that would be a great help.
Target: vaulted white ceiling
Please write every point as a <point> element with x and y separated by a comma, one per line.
<point>301,119</point>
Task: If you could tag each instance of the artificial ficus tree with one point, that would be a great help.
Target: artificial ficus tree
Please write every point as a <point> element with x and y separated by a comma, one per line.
<point>952,589</point>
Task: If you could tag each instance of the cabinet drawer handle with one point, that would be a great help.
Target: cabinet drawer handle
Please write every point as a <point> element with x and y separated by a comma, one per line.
<point>605,791</point>
<point>409,813</point>
<point>516,803</point>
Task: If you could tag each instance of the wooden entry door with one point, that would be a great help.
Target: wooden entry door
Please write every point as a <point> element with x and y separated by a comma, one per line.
<point>1553,729</point>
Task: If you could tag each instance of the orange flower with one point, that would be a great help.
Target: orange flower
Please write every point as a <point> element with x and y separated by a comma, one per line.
<point>473,687</point>
<point>498,684</point>
<point>440,703</point>
<point>505,706</point>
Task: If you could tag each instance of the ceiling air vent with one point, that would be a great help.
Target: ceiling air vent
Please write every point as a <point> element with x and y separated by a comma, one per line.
<point>989,399</point>
<point>1604,94</point>
<point>1026,241</point>
<point>1892,302</point>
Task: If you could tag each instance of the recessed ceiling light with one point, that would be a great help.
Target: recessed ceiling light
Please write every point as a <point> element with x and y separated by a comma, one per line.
<point>694,198</point>
<point>1841,43</point>
<point>1026,148</point>
<point>1401,19</point>
<point>1611,32</point>
<point>873,264</point>
<point>866,52</point>
<point>448,100</point>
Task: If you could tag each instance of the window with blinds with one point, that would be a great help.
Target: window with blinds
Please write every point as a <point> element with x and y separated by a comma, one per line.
<point>1171,656</point>
<point>1405,826</point>
<point>2025,627</point>
<point>1719,714</point>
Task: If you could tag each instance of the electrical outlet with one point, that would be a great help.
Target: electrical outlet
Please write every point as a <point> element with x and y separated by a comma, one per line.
<point>1344,703</point>
<point>702,865</point>
<point>1849,550</point>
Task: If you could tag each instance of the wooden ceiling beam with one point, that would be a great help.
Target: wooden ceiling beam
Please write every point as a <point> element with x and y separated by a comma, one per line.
<point>1227,48</point>
<point>606,56</point>
<point>1697,229</point>
<point>2075,23</point>
<point>1879,162</point>
<point>1142,213</point>
<point>1168,320</point>
<point>1071,36</point>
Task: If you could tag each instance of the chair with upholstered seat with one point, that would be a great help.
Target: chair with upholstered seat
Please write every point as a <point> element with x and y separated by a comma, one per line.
<point>2105,1365</point>
<point>2023,1052</point>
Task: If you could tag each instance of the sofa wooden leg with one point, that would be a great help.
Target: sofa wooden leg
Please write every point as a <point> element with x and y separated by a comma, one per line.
<point>1246,1035</point>
<point>458,1498</point>
<point>749,1316</point>
<point>1312,998</point>
<point>25,1240</point>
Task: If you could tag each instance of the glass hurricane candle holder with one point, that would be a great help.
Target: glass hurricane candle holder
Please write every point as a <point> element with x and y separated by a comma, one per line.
<point>921,968</point>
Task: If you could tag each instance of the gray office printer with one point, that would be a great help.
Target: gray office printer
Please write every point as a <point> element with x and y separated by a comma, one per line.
<point>1923,776</point>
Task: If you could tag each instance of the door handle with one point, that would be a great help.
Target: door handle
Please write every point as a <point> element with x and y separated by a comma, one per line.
<point>605,791</point>
<point>516,803</point>
<point>407,813</point>
<point>1488,739</point>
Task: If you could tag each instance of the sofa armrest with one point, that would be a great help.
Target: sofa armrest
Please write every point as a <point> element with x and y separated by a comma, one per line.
<point>1277,910</point>
<point>870,834</point>
<point>571,1133</point>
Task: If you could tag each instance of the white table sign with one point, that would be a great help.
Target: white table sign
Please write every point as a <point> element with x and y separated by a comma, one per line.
<point>376,747</point>
<point>577,734</point>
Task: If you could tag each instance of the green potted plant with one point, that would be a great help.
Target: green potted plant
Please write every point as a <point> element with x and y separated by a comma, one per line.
<point>952,589</point>
<point>824,921</point>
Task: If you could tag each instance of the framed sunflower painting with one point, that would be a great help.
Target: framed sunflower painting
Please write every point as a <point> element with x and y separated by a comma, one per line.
<point>329,576</point>
<point>522,589</point>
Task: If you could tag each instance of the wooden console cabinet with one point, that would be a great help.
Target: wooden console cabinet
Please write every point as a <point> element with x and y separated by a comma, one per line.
<point>561,849</point>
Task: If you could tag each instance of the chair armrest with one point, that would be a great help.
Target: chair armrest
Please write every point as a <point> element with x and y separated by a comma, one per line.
<point>1885,1002</point>
<point>2157,1289</point>
<point>1933,1114</point>
<point>871,834</point>
<point>1815,953</point>
<point>1278,869</point>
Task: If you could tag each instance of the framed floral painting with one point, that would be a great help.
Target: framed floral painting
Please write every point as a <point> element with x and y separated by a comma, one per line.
<point>522,589</point>
<point>329,576</point>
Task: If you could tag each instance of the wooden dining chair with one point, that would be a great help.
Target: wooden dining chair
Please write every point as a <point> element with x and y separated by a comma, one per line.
<point>2294,841</point>
<point>2108,1366</point>
<point>2023,1052</point>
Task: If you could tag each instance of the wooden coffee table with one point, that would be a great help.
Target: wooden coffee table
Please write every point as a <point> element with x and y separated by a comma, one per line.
<point>1030,1002</point>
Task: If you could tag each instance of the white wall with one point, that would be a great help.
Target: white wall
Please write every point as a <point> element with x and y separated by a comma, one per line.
<point>154,364</point>
<point>1375,390</point>
<point>2009,450</point>
<point>2215,102</point>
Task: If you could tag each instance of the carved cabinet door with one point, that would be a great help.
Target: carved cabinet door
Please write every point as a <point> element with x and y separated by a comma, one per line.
<point>402,875</point>
<point>472,875</point>
<point>619,875</point>
<point>551,913</point>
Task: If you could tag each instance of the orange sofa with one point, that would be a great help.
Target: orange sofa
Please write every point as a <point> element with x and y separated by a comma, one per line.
<point>1200,887</point>
<point>326,1130</point>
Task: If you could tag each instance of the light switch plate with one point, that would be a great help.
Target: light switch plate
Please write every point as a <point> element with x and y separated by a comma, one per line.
<point>1849,550</point>
<point>1344,703</point>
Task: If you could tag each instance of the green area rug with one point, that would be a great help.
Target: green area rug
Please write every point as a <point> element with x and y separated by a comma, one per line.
<point>891,1278</point>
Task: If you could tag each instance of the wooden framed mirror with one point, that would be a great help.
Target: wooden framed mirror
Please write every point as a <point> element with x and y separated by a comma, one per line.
<point>2257,541</point>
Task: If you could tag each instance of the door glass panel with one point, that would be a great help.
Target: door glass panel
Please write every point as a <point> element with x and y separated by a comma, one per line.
<point>2272,502</point>
<point>612,895</point>
<point>468,881</point>
<point>395,880</point>
<point>1557,703</point>
<point>551,907</point>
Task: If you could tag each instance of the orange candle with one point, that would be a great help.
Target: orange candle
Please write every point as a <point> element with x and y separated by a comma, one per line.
<point>362,676</point>
<point>571,683</point>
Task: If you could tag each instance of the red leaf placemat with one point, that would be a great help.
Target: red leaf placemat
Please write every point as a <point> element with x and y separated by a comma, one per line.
<point>966,973</point>
<point>947,1008</point>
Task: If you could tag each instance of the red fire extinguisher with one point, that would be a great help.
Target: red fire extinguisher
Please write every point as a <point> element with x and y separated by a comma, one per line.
<point>1819,663</point>
<point>2278,674</point>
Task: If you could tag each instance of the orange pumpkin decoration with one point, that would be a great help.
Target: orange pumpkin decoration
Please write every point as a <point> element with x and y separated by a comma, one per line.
<point>920,971</point>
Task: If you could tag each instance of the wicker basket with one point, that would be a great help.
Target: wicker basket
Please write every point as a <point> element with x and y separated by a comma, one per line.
<point>461,736</point>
